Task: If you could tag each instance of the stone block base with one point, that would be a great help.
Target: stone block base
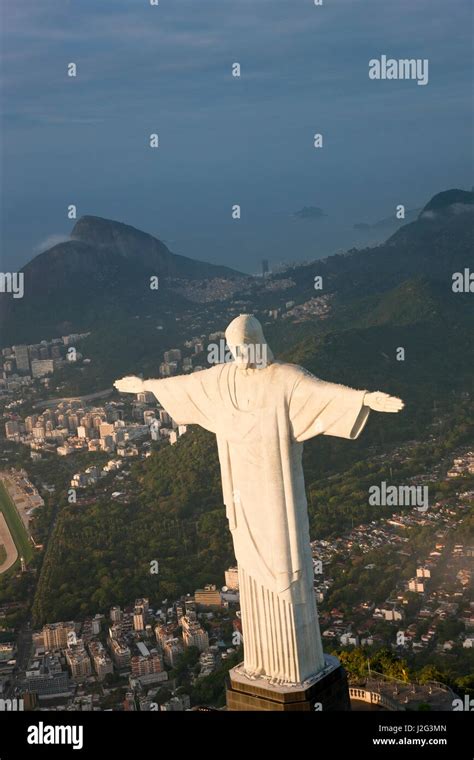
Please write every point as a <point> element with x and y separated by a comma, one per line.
<point>327,691</point>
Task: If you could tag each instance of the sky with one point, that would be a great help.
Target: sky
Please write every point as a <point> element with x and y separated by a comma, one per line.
<point>167,69</point>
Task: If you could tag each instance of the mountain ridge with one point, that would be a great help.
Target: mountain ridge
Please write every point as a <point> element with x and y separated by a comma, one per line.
<point>103,272</point>
<point>133,244</point>
<point>105,268</point>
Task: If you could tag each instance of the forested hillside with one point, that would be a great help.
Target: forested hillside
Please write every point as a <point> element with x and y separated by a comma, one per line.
<point>100,554</point>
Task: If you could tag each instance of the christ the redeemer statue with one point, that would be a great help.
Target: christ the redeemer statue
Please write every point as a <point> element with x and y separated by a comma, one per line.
<point>261,412</point>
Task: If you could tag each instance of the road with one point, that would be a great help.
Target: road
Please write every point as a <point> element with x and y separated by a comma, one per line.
<point>51,402</point>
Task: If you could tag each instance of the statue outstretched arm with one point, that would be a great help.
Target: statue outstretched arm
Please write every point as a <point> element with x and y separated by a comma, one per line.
<point>382,402</point>
<point>135,384</point>
<point>188,399</point>
<point>130,384</point>
<point>318,407</point>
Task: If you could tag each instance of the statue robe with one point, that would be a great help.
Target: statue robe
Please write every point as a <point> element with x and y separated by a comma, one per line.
<point>261,417</point>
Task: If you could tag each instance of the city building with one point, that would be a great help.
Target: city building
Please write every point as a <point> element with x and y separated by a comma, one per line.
<point>145,665</point>
<point>172,651</point>
<point>173,355</point>
<point>193,634</point>
<point>42,367</point>
<point>78,660</point>
<point>101,661</point>
<point>140,614</point>
<point>423,572</point>
<point>46,678</point>
<point>106,429</point>
<point>115,614</point>
<point>55,635</point>
<point>232,578</point>
<point>177,704</point>
<point>12,429</point>
<point>416,585</point>
<point>120,651</point>
<point>165,419</point>
<point>7,652</point>
<point>209,596</point>
<point>22,358</point>
<point>146,397</point>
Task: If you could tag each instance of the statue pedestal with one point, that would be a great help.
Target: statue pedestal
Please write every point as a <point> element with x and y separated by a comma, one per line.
<point>327,691</point>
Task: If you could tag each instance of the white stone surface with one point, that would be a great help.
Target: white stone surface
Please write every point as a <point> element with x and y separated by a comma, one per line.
<point>261,414</point>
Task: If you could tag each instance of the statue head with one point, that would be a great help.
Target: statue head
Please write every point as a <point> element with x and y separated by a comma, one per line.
<point>247,343</point>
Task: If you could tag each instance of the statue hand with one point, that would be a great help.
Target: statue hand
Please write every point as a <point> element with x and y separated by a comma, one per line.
<point>382,402</point>
<point>129,384</point>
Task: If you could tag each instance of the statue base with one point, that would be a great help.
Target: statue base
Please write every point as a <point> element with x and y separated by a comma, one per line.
<point>326,691</point>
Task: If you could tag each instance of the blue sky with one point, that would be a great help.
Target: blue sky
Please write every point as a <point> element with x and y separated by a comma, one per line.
<point>167,69</point>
